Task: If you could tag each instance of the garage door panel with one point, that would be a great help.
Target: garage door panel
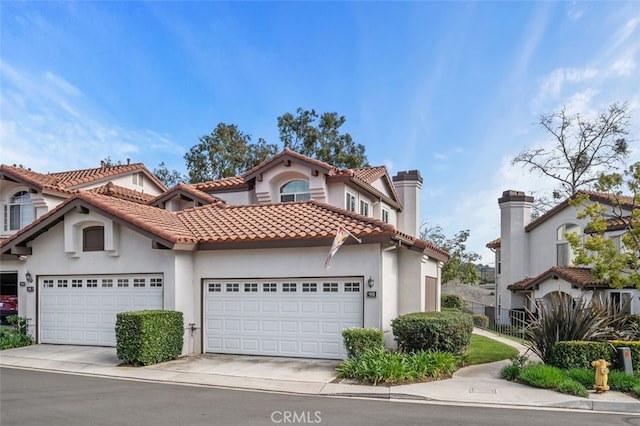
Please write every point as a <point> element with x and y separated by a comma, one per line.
<point>82,310</point>
<point>300,318</point>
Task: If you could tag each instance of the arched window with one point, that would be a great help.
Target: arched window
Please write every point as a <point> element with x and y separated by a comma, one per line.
<point>93,238</point>
<point>19,213</point>
<point>296,190</point>
<point>564,254</point>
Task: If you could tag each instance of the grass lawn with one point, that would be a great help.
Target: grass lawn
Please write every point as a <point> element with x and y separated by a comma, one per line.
<point>484,349</point>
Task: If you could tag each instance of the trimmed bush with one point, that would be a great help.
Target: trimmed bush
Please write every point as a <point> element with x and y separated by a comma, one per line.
<point>357,340</point>
<point>481,321</point>
<point>447,331</point>
<point>579,354</point>
<point>572,387</point>
<point>582,375</point>
<point>621,382</point>
<point>149,337</point>
<point>451,301</point>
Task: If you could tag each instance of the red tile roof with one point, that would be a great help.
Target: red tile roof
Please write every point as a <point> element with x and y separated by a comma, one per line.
<point>116,191</point>
<point>217,225</point>
<point>286,154</point>
<point>369,174</point>
<point>188,190</point>
<point>69,180</point>
<point>580,277</point>
<point>224,183</point>
<point>494,244</point>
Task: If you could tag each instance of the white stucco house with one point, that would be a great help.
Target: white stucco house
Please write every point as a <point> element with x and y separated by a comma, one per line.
<point>242,258</point>
<point>533,258</point>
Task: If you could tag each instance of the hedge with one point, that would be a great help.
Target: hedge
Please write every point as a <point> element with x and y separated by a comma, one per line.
<point>446,331</point>
<point>358,340</point>
<point>451,301</point>
<point>149,337</point>
<point>480,320</point>
<point>580,354</point>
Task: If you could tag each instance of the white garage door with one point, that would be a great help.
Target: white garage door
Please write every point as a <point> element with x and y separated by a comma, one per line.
<point>81,310</point>
<point>292,317</point>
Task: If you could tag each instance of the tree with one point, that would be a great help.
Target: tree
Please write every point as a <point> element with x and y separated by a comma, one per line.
<point>581,150</point>
<point>319,137</point>
<point>168,177</point>
<point>225,152</point>
<point>460,266</point>
<point>618,266</point>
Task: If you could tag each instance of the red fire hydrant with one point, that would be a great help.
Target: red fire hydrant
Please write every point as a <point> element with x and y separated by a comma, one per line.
<point>602,375</point>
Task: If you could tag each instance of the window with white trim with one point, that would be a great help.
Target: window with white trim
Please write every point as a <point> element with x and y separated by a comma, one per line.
<point>138,179</point>
<point>91,283</point>
<point>93,238</point>
<point>233,287</point>
<point>364,208</point>
<point>47,283</point>
<point>107,282</point>
<point>352,287</point>
<point>123,282</point>
<point>350,202</point>
<point>269,287</point>
<point>155,282</point>
<point>289,287</point>
<point>250,287</point>
<point>330,287</point>
<point>564,253</point>
<point>76,283</point>
<point>215,287</point>
<point>19,212</point>
<point>295,190</point>
<point>385,215</point>
<point>139,282</point>
<point>62,284</point>
<point>309,287</point>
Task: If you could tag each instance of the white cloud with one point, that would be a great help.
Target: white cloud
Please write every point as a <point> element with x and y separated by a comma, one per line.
<point>552,84</point>
<point>626,65</point>
<point>48,124</point>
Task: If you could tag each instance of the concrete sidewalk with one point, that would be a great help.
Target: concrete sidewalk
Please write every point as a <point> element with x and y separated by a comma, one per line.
<point>479,384</point>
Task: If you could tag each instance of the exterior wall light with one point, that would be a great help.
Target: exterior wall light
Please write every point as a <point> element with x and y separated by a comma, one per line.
<point>29,277</point>
<point>370,282</point>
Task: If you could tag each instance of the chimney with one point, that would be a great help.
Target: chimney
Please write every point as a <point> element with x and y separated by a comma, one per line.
<point>102,163</point>
<point>128,161</point>
<point>515,215</point>
<point>408,186</point>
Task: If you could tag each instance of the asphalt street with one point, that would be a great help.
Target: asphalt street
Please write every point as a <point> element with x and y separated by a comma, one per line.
<point>40,398</point>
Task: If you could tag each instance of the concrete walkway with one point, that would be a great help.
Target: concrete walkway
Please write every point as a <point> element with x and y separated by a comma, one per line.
<point>479,384</point>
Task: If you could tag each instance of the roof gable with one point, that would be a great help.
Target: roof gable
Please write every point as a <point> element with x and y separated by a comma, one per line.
<point>286,157</point>
<point>579,277</point>
<point>188,192</point>
<point>71,180</point>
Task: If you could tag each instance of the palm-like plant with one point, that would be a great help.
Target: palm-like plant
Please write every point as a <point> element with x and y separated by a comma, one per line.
<point>561,318</point>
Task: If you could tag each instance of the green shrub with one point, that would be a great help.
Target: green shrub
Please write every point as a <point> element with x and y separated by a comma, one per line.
<point>510,372</point>
<point>561,318</point>
<point>17,336</point>
<point>579,354</point>
<point>451,301</point>
<point>542,376</point>
<point>582,375</point>
<point>480,320</point>
<point>13,339</point>
<point>356,340</point>
<point>619,381</point>
<point>447,331</point>
<point>149,337</point>
<point>379,366</point>
<point>573,387</point>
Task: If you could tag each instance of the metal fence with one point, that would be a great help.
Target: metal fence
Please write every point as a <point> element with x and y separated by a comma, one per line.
<point>505,321</point>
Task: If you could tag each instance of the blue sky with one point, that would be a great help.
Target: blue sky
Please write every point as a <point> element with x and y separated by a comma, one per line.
<point>453,89</point>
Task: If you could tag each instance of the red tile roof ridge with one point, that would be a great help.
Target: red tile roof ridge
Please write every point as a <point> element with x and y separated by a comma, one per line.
<point>370,173</point>
<point>578,275</point>
<point>226,182</point>
<point>160,222</point>
<point>122,192</point>
<point>76,177</point>
<point>288,151</point>
<point>190,189</point>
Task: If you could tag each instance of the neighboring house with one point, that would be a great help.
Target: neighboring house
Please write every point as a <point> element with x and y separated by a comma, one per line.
<point>533,259</point>
<point>242,258</point>
<point>26,195</point>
